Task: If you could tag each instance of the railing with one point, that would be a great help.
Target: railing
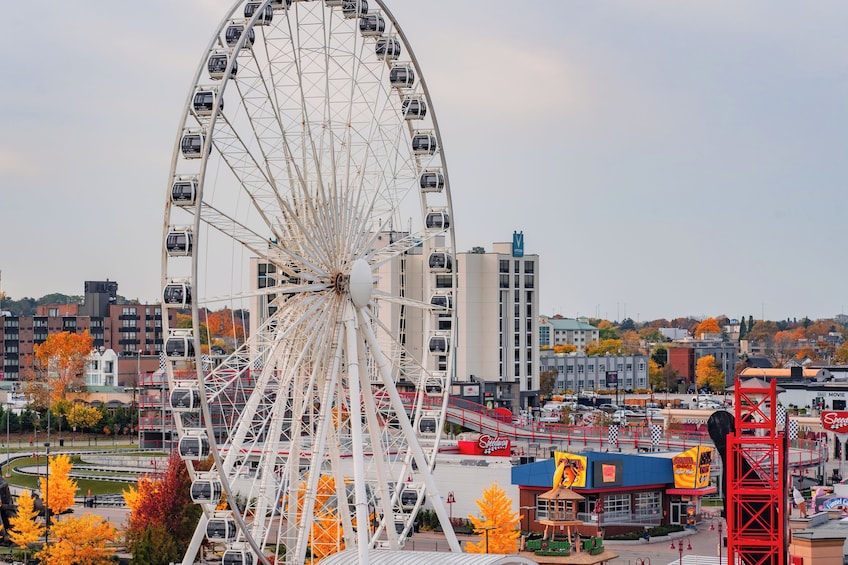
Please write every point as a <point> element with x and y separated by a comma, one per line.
<point>802,453</point>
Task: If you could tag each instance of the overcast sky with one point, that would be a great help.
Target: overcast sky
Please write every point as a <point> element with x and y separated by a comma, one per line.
<point>664,158</point>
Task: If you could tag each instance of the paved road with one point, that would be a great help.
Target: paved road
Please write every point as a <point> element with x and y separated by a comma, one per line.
<point>704,543</point>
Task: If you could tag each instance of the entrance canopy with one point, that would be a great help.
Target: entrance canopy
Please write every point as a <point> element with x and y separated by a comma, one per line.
<point>390,557</point>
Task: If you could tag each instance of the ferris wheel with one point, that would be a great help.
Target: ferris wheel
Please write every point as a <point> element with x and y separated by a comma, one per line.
<point>308,231</point>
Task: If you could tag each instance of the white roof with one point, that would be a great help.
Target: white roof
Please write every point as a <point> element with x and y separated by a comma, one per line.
<point>392,557</point>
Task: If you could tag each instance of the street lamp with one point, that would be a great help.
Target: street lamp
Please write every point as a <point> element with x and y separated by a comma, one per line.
<point>720,538</point>
<point>679,548</point>
<point>486,529</point>
<point>8,463</point>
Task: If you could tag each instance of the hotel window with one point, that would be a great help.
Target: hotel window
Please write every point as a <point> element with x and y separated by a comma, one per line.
<point>528,267</point>
<point>516,268</point>
<point>503,266</point>
<point>528,281</point>
<point>570,368</point>
<point>504,281</point>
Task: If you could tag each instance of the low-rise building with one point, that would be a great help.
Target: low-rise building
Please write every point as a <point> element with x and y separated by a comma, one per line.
<point>578,371</point>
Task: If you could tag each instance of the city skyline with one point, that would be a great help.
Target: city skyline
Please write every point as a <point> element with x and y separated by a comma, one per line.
<point>663,160</point>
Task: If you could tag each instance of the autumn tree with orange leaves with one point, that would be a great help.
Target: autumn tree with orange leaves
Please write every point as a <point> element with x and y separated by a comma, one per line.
<point>59,368</point>
<point>81,540</point>
<point>162,515</point>
<point>708,326</point>
<point>708,374</point>
<point>61,488</point>
<point>24,529</point>
<point>499,520</point>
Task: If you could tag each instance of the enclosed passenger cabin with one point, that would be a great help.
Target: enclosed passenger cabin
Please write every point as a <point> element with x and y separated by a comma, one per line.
<point>185,399</point>
<point>237,557</point>
<point>264,18</point>
<point>424,143</point>
<point>203,102</point>
<point>217,65</point>
<point>195,446</point>
<point>427,425</point>
<point>432,180</point>
<point>177,294</point>
<point>354,8</point>
<point>434,386</point>
<point>439,344</point>
<point>440,261</point>
<point>184,191</point>
<point>437,220</point>
<point>206,491</point>
<point>372,25</point>
<point>414,107</point>
<point>280,4</point>
<point>221,528</point>
<point>192,143</point>
<point>387,49</point>
<point>233,34</point>
<point>179,243</point>
<point>179,345</point>
<point>409,497</point>
<point>402,76</point>
<point>443,301</point>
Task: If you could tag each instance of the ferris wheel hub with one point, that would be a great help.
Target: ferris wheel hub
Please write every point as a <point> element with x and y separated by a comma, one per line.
<point>361,283</point>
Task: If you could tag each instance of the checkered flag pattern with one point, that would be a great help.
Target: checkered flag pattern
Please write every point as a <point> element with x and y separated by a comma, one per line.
<point>793,429</point>
<point>781,416</point>
<point>656,435</point>
<point>162,362</point>
<point>613,435</point>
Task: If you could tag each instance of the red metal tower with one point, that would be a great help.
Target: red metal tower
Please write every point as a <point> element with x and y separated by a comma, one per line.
<point>756,484</point>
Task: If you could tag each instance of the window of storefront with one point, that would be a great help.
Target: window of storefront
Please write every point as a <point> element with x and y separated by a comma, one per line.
<point>646,503</point>
<point>541,509</point>
<point>617,505</point>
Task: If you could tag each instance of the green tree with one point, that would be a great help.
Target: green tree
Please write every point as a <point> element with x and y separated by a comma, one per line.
<point>655,375</point>
<point>742,330</point>
<point>547,381</point>
<point>660,355</point>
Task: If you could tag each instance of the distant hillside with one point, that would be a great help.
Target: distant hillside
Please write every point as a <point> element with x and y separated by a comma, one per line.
<point>26,306</point>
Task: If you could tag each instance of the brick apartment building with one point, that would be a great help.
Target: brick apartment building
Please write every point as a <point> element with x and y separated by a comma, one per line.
<point>133,331</point>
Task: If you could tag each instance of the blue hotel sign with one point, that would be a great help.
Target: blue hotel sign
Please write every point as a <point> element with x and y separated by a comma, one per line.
<point>518,244</point>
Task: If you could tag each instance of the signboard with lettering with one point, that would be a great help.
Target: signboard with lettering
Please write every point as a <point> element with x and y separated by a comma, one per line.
<point>497,446</point>
<point>607,473</point>
<point>835,421</point>
<point>518,244</point>
<point>692,468</point>
<point>470,390</point>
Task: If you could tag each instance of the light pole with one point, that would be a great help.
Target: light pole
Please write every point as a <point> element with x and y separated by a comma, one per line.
<point>486,529</point>
<point>720,539</point>
<point>679,548</point>
<point>8,463</point>
<point>137,418</point>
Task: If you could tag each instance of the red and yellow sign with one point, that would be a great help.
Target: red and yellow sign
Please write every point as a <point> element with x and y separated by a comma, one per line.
<point>692,468</point>
<point>835,421</point>
<point>570,470</point>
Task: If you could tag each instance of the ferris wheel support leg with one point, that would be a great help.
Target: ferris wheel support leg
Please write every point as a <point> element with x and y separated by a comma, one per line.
<point>190,556</point>
<point>352,359</point>
<point>310,493</point>
<point>406,426</point>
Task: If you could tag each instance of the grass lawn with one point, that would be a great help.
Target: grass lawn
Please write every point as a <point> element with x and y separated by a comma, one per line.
<point>84,486</point>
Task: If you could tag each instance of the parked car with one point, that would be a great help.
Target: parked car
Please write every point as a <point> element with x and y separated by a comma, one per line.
<point>624,415</point>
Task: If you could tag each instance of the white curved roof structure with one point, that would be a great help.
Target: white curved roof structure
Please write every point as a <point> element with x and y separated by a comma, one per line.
<point>391,557</point>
